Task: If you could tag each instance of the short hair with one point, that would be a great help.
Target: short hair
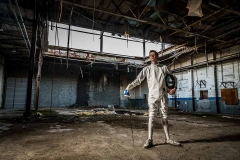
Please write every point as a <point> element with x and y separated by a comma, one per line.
<point>155,52</point>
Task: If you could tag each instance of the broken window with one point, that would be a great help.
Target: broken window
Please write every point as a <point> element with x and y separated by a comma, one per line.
<point>204,94</point>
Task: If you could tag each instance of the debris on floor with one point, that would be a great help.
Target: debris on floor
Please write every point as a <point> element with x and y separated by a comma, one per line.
<point>231,117</point>
<point>98,111</point>
<point>58,128</point>
<point>146,114</point>
<point>95,112</point>
<point>4,126</point>
<point>39,114</point>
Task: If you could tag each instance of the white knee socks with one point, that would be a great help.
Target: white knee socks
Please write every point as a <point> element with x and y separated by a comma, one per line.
<point>165,128</point>
<point>150,128</point>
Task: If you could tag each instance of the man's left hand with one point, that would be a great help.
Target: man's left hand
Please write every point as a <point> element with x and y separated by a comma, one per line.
<point>172,91</point>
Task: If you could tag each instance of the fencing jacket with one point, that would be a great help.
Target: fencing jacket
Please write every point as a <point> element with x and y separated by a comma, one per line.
<point>155,74</point>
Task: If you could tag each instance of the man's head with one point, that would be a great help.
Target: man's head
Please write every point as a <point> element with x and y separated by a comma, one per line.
<point>153,56</point>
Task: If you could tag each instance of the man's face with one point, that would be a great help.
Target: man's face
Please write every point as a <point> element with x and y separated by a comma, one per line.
<point>153,57</point>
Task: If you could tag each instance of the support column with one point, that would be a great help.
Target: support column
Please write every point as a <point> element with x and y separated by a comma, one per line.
<point>27,112</point>
<point>38,80</point>
<point>144,49</point>
<point>192,79</point>
<point>4,84</point>
<point>101,42</point>
<point>215,83</point>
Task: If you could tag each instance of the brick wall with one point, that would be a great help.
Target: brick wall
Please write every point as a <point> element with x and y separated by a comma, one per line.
<point>62,86</point>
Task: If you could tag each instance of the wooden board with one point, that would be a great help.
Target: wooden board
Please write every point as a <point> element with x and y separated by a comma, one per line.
<point>230,96</point>
<point>204,94</point>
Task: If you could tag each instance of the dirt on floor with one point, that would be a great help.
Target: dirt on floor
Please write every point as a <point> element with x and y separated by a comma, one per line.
<point>66,134</point>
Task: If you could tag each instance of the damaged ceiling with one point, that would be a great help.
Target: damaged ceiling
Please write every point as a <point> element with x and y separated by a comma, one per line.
<point>164,21</point>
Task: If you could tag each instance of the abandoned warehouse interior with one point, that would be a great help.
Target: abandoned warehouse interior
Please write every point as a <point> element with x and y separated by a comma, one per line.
<point>75,58</point>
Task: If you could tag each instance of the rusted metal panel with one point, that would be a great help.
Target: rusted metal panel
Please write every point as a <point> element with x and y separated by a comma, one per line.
<point>92,56</point>
<point>230,96</point>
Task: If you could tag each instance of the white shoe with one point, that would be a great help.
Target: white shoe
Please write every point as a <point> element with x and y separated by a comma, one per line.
<point>148,143</point>
<point>172,142</point>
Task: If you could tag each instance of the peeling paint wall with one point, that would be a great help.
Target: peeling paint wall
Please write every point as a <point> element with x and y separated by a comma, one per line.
<point>95,89</point>
<point>229,71</point>
<point>98,88</point>
<point>65,88</point>
<point>58,89</point>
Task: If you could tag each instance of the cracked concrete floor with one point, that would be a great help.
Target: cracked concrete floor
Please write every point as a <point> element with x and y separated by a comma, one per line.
<point>71,136</point>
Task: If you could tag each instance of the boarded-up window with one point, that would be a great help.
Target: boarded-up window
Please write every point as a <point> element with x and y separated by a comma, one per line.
<point>230,96</point>
<point>203,94</point>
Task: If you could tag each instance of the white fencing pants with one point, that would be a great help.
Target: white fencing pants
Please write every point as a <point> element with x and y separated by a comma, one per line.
<point>156,106</point>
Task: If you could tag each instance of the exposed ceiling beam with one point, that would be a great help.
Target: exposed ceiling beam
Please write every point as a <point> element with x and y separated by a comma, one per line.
<point>203,18</point>
<point>231,42</point>
<point>110,17</point>
<point>143,21</point>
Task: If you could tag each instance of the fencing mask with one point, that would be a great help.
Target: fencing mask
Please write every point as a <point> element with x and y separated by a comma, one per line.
<point>170,81</point>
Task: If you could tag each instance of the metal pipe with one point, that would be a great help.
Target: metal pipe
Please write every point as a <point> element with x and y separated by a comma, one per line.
<point>24,28</point>
<point>14,13</point>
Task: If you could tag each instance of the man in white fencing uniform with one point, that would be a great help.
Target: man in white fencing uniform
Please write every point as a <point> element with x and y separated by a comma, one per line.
<point>158,98</point>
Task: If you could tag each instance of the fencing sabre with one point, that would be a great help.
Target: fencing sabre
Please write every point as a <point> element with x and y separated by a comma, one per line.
<point>127,94</point>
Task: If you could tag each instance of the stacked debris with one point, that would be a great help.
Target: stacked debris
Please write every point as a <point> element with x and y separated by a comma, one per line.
<point>97,111</point>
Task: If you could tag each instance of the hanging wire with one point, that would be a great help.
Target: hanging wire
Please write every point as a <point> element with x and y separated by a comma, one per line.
<point>93,20</point>
<point>80,68</point>
<point>161,45</point>
<point>60,12</point>
<point>71,35</point>
<point>127,35</point>
<point>196,44</point>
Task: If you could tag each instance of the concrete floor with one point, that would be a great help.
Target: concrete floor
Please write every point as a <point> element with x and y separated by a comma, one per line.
<point>64,134</point>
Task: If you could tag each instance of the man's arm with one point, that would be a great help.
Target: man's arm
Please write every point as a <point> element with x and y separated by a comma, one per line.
<point>141,76</point>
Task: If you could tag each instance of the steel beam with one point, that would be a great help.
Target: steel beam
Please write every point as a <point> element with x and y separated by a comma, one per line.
<point>205,17</point>
<point>27,112</point>
<point>142,21</point>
